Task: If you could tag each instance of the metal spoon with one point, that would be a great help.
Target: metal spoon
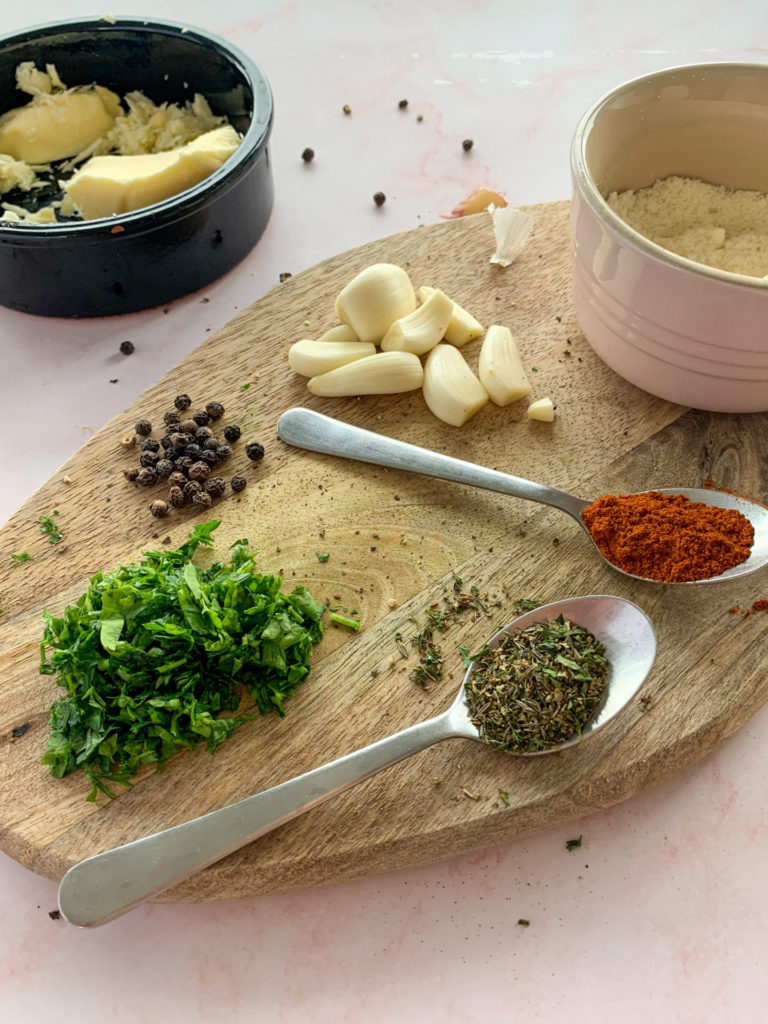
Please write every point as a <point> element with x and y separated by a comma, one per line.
<point>304,428</point>
<point>105,886</point>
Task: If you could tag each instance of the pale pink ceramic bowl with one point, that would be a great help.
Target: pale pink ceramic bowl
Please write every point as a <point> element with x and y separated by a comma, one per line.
<point>677,329</point>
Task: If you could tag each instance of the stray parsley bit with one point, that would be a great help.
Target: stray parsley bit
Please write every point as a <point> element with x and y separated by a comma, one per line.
<point>323,556</point>
<point>23,556</point>
<point>244,387</point>
<point>504,795</point>
<point>48,526</point>
<point>342,620</point>
<point>573,844</point>
<point>153,653</point>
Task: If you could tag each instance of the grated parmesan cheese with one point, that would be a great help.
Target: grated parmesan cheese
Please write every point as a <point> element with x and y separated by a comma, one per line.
<point>710,224</point>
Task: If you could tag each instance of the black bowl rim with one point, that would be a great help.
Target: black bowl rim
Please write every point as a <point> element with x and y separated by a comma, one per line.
<point>185,202</point>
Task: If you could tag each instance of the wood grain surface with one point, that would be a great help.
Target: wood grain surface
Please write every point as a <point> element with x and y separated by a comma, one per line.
<point>394,541</point>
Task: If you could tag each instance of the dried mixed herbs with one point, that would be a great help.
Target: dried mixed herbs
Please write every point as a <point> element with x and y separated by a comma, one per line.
<point>537,688</point>
<point>153,653</point>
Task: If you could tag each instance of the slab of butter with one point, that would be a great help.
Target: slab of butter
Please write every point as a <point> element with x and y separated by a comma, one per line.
<point>58,125</point>
<point>108,185</point>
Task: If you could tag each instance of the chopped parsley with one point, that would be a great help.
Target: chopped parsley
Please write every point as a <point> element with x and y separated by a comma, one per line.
<point>22,556</point>
<point>323,556</point>
<point>48,526</point>
<point>573,844</point>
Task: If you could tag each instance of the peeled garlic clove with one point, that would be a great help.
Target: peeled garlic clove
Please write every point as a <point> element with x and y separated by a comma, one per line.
<point>542,410</point>
<point>511,228</point>
<point>310,358</point>
<point>462,327</point>
<point>452,392</point>
<point>374,299</point>
<point>422,329</point>
<point>385,373</point>
<point>500,368</point>
<point>341,332</point>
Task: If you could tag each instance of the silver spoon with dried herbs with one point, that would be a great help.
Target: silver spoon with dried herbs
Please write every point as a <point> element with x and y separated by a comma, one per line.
<point>576,663</point>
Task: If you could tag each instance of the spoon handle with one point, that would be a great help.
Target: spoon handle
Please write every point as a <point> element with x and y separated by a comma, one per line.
<point>304,428</point>
<point>105,886</point>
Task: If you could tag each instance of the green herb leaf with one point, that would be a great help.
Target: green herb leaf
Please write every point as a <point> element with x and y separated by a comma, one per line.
<point>504,795</point>
<point>573,844</point>
<point>22,556</point>
<point>323,556</point>
<point>244,387</point>
<point>153,654</point>
<point>342,620</point>
<point>48,526</point>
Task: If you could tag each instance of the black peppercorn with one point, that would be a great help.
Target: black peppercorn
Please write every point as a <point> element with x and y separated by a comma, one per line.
<point>201,418</point>
<point>158,508</point>
<point>167,442</point>
<point>202,500</point>
<point>254,451</point>
<point>308,155</point>
<point>146,477</point>
<point>403,104</point>
<point>191,488</point>
<point>211,444</point>
<point>238,483</point>
<point>193,450</point>
<point>183,463</point>
<point>214,409</point>
<point>216,486</point>
<point>379,198</point>
<point>188,426</point>
<point>179,441</point>
<point>149,444</point>
<point>223,452</point>
<point>176,479</point>
<point>144,428</point>
<point>182,402</point>
<point>232,433</point>
<point>177,497</point>
<point>127,348</point>
<point>202,434</point>
<point>131,474</point>
<point>199,471</point>
<point>149,459</point>
<point>209,457</point>
<point>164,468</point>
<point>467,144</point>
<point>170,417</point>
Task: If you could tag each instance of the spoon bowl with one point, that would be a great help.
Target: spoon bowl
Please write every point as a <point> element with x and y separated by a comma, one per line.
<point>103,887</point>
<point>304,428</point>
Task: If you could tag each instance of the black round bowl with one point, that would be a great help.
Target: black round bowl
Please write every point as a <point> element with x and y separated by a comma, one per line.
<point>148,257</point>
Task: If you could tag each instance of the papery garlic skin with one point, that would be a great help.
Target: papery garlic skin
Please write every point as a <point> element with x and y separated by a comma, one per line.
<point>374,299</point>
<point>386,373</point>
<point>452,392</point>
<point>511,228</point>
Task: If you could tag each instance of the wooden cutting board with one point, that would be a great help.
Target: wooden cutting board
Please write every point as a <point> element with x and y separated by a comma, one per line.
<point>394,541</point>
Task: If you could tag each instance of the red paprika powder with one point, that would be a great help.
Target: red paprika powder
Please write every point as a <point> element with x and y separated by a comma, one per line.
<point>667,537</point>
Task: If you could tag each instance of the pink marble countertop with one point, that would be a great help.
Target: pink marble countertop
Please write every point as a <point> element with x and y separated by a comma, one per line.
<point>659,915</point>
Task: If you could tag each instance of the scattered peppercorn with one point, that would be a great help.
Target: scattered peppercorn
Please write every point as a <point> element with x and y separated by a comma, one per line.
<point>131,474</point>
<point>164,468</point>
<point>170,417</point>
<point>403,104</point>
<point>308,155</point>
<point>232,433</point>
<point>214,409</point>
<point>211,444</point>
<point>201,418</point>
<point>179,441</point>
<point>202,434</point>
<point>254,451</point>
<point>166,442</point>
<point>183,463</point>
<point>127,348</point>
<point>347,109</point>
<point>149,444</point>
<point>238,483</point>
<point>146,477</point>
<point>128,442</point>
<point>144,428</point>
<point>177,497</point>
<point>419,117</point>
<point>149,459</point>
<point>193,450</point>
<point>202,500</point>
<point>467,144</point>
<point>199,471</point>
<point>159,508</point>
<point>176,479</point>
<point>284,276</point>
<point>182,402</point>
<point>189,426</point>
<point>223,452</point>
<point>191,488</point>
<point>209,457</point>
<point>379,198</point>
<point>216,486</point>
